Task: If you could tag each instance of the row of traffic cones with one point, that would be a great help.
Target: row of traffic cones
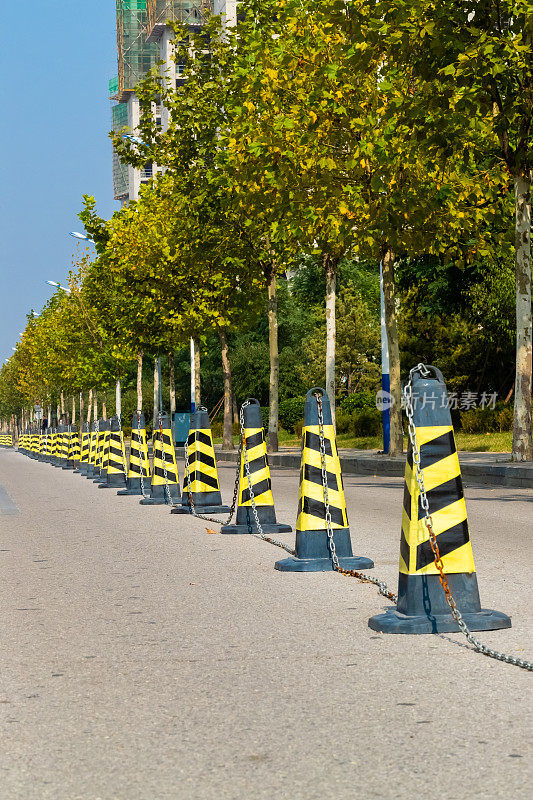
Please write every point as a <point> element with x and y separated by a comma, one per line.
<point>322,521</point>
<point>6,440</point>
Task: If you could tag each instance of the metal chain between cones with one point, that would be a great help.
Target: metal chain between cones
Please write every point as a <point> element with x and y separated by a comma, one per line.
<point>382,586</point>
<point>261,534</point>
<point>428,521</point>
<point>123,454</point>
<point>235,489</point>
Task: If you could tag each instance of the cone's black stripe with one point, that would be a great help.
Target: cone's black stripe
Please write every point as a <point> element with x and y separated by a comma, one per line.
<point>166,439</point>
<point>160,472</point>
<point>198,436</point>
<point>314,475</point>
<point>202,458</point>
<point>255,465</point>
<point>404,549</point>
<point>114,452</point>
<point>136,437</point>
<point>259,488</point>
<point>448,541</point>
<point>312,441</point>
<point>442,496</point>
<point>407,500</point>
<point>317,509</point>
<point>199,476</point>
<point>254,440</point>
<point>410,455</point>
<point>437,449</point>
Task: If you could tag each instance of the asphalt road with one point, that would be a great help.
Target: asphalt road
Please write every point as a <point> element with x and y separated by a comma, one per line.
<point>144,659</point>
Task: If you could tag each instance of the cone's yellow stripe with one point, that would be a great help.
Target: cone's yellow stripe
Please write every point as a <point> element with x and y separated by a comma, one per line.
<point>259,470</point>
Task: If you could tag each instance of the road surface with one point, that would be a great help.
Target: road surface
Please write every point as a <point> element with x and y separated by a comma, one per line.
<point>145,659</point>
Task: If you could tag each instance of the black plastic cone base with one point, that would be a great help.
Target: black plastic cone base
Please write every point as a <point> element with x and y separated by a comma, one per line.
<point>98,478</point>
<point>82,469</point>
<point>422,607</point>
<point>268,528</point>
<point>69,466</point>
<point>394,622</point>
<point>155,501</point>
<point>130,492</point>
<point>293,564</point>
<point>201,509</point>
<point>159,496</point>
<point>113,482</point>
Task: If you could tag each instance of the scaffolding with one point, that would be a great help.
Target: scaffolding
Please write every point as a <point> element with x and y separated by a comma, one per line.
<point>119,117</point>
<point>135,55</point>
<point>193,13</point>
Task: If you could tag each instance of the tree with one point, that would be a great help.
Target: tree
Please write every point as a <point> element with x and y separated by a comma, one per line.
<point>466,71</point>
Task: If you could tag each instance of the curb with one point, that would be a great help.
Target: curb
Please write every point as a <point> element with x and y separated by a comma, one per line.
<point>513,475</point>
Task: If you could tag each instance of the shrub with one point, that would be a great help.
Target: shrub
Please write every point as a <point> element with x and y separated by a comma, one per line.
<point>358,401</point>
<point>290,413</point>
<point>344,421</point>
<point>487,420</point>
<point>366,423</point>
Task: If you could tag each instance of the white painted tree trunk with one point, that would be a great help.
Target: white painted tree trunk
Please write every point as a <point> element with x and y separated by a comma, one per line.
<point>227,432</point>
<point>273,346</point>
<point>156,394</point>
<point>118,398</point>
<point>331,330</point>
<point>172,384</point>
<point>522,425</point>
<point>89,407</point>
<point>197,387</point>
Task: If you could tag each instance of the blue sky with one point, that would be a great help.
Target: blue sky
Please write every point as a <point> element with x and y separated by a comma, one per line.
<point>55,62</point>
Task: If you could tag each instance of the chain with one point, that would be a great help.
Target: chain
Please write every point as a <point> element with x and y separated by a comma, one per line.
<point>140,455</point>
<point>456,614</point>
<point>235,488</point>
<point>259,535</point>
<point>164,457</point>
<point>382,586</point>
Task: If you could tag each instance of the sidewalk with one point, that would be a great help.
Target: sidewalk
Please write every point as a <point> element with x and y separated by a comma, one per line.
<point>492,469</point>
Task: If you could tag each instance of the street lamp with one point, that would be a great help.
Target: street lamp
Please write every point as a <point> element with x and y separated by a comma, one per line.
<point>57,285</point>
<point>78,235</point>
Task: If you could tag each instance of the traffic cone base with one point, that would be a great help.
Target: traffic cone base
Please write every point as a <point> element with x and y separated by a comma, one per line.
<point>245,522</point>
<point>425,591</point>
<point>421,605</point>
<point>159,496</point>
<point>311,546</point>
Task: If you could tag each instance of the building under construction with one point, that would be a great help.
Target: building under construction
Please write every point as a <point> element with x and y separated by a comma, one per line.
<point>144,37</point>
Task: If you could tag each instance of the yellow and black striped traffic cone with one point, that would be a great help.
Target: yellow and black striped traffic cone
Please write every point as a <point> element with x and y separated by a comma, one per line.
<point>103,451</point>
<point>312,552</point>
<point>61,455</point>
<point>116,462</point>
<point>202,481</point>
<point>260,479</point>
<point>139,462</point>
<point>93,451</point>
<point>422,606</point>
<point>53,443</point>
<point>163,490</point>
<point>72,451</point>
<point>84,449</point>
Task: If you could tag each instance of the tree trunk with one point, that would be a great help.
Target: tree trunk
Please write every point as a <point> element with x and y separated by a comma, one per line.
<point>156,394</point>
<point>172,384</point>
<point>197,390</point>
<point>235,410</point>
<point>330,265</point>
<point>104,408</point>
<point>389,292</point>
<point>62,400</point>
<point>139,382</point>
<point>522,427</point>
<point>95,409</point>
<point>81,409</point>
<point>118,398</point>
<point>273,389</point>
<point>73,420</point>
<point>89,407</point>
<point>227,432</point>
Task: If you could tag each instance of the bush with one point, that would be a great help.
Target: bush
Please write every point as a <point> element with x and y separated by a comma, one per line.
<point>290,413</point>
<point>367,423</point>
<point>344,422</point>
<point>358,401</point>
<point>487,420</point>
